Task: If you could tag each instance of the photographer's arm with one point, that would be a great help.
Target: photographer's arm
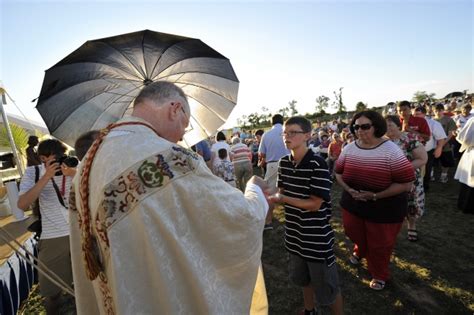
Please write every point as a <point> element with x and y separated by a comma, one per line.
<point>25,200</point>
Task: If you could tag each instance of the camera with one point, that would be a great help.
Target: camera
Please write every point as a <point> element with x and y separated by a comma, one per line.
<point>69,161</point>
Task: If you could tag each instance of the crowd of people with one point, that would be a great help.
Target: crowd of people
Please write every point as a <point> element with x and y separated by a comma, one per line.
<point>182,229</point>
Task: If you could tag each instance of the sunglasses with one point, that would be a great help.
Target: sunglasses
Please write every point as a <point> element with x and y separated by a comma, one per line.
<point>363,126</point>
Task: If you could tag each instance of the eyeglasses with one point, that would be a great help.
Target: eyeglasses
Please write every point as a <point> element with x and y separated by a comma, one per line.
<point>291,134</point>
<point>189,127</point>
<point>363,126</point>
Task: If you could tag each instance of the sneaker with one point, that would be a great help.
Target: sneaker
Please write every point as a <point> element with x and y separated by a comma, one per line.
<point>268,226</point>
<point>443,179</point>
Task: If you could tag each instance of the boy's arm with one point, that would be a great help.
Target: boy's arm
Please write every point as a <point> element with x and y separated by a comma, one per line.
<point>313,203</point>
<point>25,200</point>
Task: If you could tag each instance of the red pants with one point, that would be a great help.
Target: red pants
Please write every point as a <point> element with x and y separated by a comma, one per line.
<point>373,241</point>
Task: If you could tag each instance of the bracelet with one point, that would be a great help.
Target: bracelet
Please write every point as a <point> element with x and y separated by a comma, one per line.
<point>374,197</point>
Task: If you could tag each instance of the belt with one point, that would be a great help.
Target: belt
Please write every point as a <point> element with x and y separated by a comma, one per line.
<point>228,180</point>
<point>272,162</point>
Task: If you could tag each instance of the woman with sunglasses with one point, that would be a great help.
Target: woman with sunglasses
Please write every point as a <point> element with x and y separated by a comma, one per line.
<point>376,177</point>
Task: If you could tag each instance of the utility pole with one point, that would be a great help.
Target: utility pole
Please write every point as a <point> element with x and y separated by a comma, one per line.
<point>7,128</point>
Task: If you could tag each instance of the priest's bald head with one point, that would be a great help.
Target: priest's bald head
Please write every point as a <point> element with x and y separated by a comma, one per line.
<point>164,105</point>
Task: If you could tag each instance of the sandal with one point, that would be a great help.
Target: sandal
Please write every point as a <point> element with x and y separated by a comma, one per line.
<point>412,235</point>
<point>354,259</point>
<point>377,285</point>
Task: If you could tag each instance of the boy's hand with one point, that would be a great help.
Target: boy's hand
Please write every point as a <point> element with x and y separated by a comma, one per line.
<point>275,198</point>
<point>51,167</point>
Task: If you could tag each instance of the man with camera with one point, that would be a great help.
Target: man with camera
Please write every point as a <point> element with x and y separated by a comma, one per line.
<point>50,183</point>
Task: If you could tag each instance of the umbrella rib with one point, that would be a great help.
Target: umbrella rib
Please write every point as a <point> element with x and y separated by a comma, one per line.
<point>204,88</point>
<point>164,51</point>
<point>210,109</point>
<point>105,109</point>
<point>128,59</point>
<point>169,75</point>
<point>122,95</point>
<point>139,82</point>
<point>95,79</point>
<point>143,54</point>
<point>114,102</point>
<point>201,126</point>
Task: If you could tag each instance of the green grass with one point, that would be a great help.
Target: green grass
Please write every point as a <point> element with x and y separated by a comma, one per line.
<point>431,276</point>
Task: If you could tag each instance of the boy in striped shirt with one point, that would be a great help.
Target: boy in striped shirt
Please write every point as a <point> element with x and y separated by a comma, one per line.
<point>304,189</point>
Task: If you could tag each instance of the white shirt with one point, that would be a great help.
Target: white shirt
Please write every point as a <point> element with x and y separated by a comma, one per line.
<point>54,217</point>
<point>461,120</point>
<point>220,145</point>
<point>437,133</point>
<point>465,169</point>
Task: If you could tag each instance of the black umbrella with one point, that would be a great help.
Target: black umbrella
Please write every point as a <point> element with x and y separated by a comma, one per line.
<point>454,94</point>
<point>96,84</point>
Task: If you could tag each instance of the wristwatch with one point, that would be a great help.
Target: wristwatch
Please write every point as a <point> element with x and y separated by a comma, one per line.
<point>374,197</point>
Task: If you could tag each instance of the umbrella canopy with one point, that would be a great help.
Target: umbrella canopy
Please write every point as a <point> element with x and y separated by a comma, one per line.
<point>97,84</point>
<point>454,94</point>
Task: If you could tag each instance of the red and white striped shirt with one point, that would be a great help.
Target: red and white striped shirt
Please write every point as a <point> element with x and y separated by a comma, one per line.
<point>375,169</point>
<point>240,153</point>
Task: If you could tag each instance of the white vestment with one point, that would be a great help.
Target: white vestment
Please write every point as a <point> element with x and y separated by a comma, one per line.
<point>465,170</point>
<point>180,240</point>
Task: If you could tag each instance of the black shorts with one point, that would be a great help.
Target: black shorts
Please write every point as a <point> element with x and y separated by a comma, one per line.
<point>446,159</point>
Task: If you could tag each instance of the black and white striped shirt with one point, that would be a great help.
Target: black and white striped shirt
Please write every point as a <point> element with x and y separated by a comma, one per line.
<point>54,217</point>
<point>308,234</point>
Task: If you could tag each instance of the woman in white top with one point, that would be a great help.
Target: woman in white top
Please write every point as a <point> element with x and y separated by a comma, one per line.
<point>220,144</point>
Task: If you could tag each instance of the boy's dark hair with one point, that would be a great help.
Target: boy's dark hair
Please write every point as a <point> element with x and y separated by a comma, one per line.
<point>51,147</point>
<point>33,140</point>
<point>421,109</point>
<point>220,136</point>
<point>277,119</point>
<point>378,122</point>
<point>395,119</point>
<point>403,104</point>
<point>439,107</point>
<point>84,142</point>
<point>304,123</point>
<point>222,153</point>
<point>259,132</point>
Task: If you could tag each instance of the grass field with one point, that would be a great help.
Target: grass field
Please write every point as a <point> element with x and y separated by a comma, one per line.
<point>431,276</point>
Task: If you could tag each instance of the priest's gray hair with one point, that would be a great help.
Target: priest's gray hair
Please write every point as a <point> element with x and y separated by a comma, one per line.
<point>161,92</point>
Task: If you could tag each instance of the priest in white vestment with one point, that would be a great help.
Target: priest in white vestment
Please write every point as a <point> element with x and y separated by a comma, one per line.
<point>154,231</point>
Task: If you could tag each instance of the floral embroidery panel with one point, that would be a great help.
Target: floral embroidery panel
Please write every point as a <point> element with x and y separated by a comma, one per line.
<point>137,182</point>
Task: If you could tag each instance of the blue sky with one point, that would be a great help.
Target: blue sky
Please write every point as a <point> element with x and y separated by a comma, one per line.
<point>378,51</point>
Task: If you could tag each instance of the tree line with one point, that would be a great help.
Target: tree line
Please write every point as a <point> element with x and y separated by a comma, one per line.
<point>322,104</point>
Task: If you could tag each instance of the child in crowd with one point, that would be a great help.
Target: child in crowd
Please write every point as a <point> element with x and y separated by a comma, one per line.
<point>304,189</point>
<point>334,150</point>
<point>224,168</point>
<point>323,147</point>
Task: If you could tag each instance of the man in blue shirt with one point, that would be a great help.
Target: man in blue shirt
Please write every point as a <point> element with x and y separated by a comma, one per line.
<point>202,148</point>
<point>271,150</point>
